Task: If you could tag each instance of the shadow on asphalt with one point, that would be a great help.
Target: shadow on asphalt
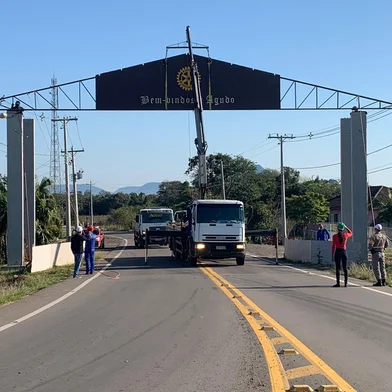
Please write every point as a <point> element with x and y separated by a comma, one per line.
<point>158,262</point>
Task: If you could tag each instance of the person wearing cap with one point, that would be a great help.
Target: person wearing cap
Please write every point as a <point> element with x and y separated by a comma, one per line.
<point>339,253</point>
<point>89,250</point>
<point>378,242</point>
<point>77,249</point>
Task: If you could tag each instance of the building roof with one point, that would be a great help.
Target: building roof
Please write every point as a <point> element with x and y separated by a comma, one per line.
<point>378,192</point>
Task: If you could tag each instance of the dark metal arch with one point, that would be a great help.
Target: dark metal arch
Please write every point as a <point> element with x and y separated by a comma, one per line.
<point>81,95</point>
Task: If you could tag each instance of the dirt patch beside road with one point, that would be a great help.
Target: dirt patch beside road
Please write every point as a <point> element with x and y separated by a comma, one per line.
<point>267,251</point>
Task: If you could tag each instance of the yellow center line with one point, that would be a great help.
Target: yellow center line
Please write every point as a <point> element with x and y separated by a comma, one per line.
<point>279,381</point>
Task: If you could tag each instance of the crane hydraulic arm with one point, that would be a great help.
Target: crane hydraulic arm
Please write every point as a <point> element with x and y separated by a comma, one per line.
<point>200,142</point>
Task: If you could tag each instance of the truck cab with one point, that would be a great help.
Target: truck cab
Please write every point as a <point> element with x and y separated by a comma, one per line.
<point>151,219</point>
<point>215,229</point>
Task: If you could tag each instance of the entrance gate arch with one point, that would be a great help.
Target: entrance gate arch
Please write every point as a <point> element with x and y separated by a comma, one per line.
<point>166,84</point>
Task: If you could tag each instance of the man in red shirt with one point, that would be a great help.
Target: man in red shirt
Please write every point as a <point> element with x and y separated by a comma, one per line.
<point>339,254</point>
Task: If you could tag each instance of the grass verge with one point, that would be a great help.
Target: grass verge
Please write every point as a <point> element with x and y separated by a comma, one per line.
<point>14,286</point>
<point>362,271</point>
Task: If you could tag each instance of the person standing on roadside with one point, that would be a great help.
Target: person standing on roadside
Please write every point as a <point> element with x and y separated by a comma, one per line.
<point>378,242</point>
<point>77,249</point>
<point>89,251</point>
<point>339,253</point>
<point>323,234</point>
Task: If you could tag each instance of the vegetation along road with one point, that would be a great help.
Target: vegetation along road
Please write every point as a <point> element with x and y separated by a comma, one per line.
<point>166,326</point>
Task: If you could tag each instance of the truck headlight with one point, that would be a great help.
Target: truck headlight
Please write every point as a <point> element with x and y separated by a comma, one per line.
<point>144,233</point>
<point>241,246</point>
<point>200,246</point>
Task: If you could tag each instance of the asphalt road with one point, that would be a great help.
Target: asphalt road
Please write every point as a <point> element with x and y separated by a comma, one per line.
<point>167,327</point>
<point>157,328</point>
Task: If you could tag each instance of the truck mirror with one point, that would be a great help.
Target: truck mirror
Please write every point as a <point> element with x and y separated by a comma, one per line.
<point>137,219</point>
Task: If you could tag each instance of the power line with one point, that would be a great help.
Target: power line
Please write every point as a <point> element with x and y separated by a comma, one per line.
<point>337,127</point>
<point>316,167</point>
<point>338,163</point>
<point>263,152</point>
<point>380,149</point>
<point>376,171</point>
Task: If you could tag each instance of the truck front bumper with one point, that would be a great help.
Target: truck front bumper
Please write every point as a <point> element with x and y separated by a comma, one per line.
<point>219,250</point>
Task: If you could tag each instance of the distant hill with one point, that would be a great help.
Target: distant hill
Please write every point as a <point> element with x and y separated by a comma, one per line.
<point>259,168</point>
<point>83,188</point>
<point>151,188</point>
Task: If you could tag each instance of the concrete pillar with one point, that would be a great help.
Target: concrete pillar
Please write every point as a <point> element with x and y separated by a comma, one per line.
<point>30,209</point>
<point>359,180</point>
<point>15,192</point>
<point>346,172</point>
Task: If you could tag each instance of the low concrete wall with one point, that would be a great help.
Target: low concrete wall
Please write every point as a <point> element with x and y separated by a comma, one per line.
<point>48,256</point>
<point>318,252</point>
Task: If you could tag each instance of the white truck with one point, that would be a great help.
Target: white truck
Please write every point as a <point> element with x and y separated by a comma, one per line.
<point>208,229</point>
<point>152,219</point>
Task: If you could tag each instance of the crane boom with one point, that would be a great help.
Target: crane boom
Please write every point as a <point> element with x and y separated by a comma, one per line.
<point>200,142</point>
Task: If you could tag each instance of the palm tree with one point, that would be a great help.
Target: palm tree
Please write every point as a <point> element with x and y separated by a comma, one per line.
<point>48,218</point>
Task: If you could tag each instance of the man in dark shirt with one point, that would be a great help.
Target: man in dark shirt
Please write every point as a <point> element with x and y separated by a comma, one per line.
<point>77,249</point>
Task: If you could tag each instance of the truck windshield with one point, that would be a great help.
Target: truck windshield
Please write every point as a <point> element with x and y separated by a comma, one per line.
<point>157,217</point>
<point>220,213</point>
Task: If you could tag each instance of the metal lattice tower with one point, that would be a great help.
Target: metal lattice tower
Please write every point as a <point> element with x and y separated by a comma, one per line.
<point>55,167</point>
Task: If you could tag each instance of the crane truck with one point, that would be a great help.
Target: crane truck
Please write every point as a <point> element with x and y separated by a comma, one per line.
<point>208,228</point>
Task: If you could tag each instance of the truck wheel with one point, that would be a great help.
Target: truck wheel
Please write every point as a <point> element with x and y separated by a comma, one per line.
<point>141,244</point>
<point>240,260</point>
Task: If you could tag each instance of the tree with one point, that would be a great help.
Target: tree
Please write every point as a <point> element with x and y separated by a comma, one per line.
<point>268,186</point>
<point>3,219</point>
<point>328,188</point>
<point>263,217</point>
<point>240,177</point>
<point>291,180</point>
<point>122,217</point>
<point>174,194</point>
<point>308,208</point>
<point>385,215</point>
<point>48,220</point>
<point>3,206</point>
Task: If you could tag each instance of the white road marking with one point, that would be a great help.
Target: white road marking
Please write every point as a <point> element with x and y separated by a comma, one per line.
<point>65,296</point>
<point>321,275</point>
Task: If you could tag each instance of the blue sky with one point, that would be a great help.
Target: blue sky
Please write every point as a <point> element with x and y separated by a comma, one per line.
<point>342,45</point>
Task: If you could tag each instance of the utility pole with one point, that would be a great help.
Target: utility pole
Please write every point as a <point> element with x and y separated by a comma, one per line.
<point>223,182</point>
<point>282,138</point>
<point>91,204</point>
<point>75,176</point>
<point>65,120</point>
